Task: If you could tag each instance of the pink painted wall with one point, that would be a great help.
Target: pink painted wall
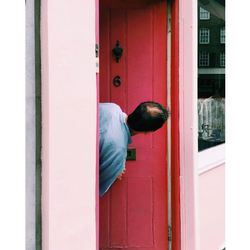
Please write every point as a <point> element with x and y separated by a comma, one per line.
<point>69,120</point>
<point>212,208</point>
<point>188,126</point>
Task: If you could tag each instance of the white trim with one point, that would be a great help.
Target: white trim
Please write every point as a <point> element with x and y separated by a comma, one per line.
<point>223,246</point>
<point>211,158</point>
<point>210,167</point>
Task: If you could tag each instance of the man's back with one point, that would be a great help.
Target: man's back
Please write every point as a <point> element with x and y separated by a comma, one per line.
<point>114,137</point>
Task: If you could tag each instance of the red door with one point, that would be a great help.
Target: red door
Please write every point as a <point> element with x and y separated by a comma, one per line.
<point>133,214</point>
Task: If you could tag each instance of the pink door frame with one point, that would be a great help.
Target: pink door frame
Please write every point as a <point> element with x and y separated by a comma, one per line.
<point>60,57</point>
<point>188,125</point>
<point>97,118</point>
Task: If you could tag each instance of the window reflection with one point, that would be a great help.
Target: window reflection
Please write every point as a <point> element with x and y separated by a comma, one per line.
<point>204,35</point>
<point>211,73</point>
<point>204,14</point>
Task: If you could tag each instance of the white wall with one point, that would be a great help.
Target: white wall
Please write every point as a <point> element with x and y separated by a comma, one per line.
<point>30,127</point>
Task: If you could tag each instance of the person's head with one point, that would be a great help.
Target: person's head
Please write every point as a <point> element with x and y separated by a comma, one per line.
<point>147,117</point>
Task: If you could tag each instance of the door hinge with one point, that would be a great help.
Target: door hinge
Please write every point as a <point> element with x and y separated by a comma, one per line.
<point>169,233</point>
<point>169,237</point>
<point>97,57</point>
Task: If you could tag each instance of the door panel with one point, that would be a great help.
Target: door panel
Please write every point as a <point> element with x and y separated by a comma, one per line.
<point>133,213</point>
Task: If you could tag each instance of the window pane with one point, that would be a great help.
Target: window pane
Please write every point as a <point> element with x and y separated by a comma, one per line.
<point>204,14</point>
<point>211,74</point>
<point>222,35</point>
<point>203,58</point>
<point>222,59</point>
<point>204,35</point>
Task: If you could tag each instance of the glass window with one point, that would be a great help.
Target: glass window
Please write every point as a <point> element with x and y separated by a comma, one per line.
<point>222,35</point>
<point>204,35</point>
<point>222,59</point>
<point>204,58</point>
<point>204,14</point>
<point>211,76</point>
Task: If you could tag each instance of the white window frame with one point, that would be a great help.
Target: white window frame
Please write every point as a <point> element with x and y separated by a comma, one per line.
<point>204,36</point>
<point>222,35</point>
<point>211,158</point>
<point>204,14</point>
<point>222,59</point>
<point>203,55</point>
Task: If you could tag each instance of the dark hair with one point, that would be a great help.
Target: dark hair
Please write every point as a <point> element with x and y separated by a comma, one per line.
<point>148,116</point>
